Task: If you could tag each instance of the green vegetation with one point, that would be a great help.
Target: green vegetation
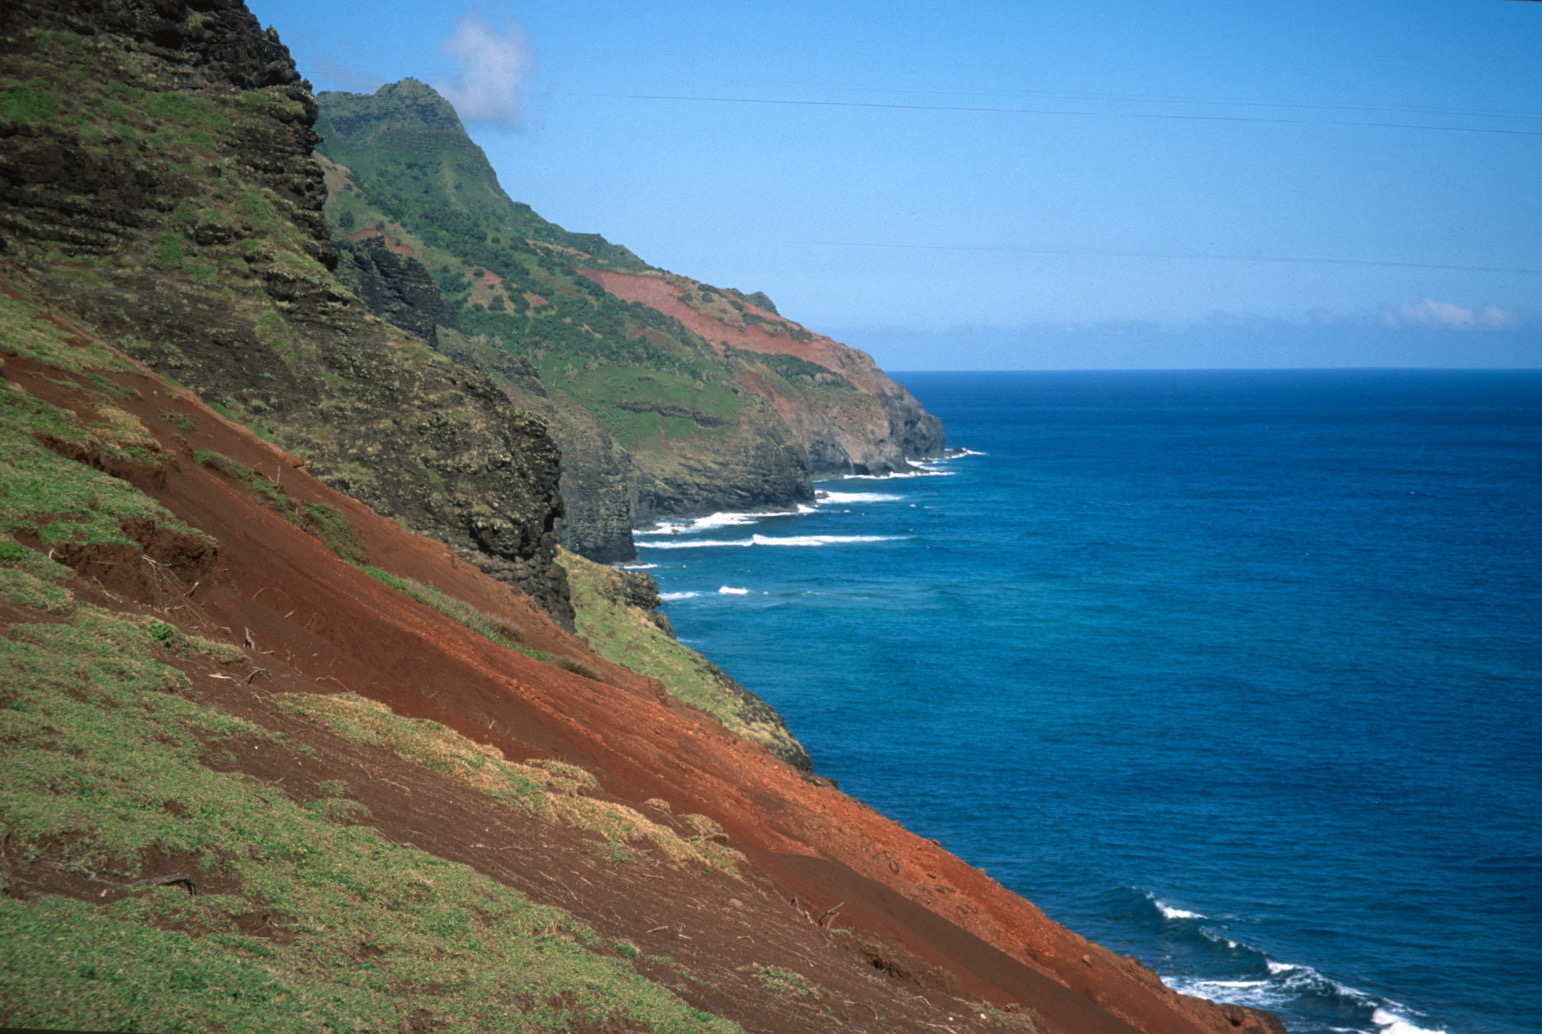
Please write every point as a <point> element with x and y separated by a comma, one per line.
<point>405,164</point>
<point>630,635</point>
<point>551,790</point>
<point>57,499</point>
<point>30,331</point>
<point>500,632</point>
<point>318,520</point>
<point>302,918</point>
<point>26,102</point>
<point>784,981</point>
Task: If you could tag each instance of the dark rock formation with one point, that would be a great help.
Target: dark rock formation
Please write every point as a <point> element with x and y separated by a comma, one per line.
<point>193,233</point>
<point>395,287</point>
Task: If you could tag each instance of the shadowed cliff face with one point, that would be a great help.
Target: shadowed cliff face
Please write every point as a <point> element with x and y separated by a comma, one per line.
<point>697,399</point>
<point>170,193</point>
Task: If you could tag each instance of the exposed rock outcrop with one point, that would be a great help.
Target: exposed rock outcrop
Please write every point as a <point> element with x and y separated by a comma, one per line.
<point>668,397</point>
<point>179,186</point>
<point>397,288</point>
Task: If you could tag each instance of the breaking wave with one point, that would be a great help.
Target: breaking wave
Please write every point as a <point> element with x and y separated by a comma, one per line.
<point>857,497</point>
<point>772,540</point>
<point>717,520</point>
<point>922,470</point>
<point>1224,969</point>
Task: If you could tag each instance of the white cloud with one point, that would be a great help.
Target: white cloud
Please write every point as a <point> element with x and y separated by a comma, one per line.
<point>1431,313</point>
<point>496,62</point>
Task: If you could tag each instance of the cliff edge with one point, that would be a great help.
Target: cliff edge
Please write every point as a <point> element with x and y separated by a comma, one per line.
<point>273,760</point>
<point>667,396</point>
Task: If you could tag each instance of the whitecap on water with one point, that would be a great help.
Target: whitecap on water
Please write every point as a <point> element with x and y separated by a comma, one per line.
<point>921,470</point>
<point>839,498</point>
<point>1391,1023</point>
<point>771,540</point>
<point>1171,911</point>
<point>729,590</point>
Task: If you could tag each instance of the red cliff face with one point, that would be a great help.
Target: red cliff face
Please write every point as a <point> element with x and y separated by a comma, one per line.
<point>848,414</point>
<point>885,916</point>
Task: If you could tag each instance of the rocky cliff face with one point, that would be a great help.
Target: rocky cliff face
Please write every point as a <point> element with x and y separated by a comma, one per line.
<point>849,416</point>
<point>171,194</point>
<point>694,401</point>
<point>202,828</point>
<point>396,288</point>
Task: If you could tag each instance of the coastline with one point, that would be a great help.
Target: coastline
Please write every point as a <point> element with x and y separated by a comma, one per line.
<point>1092,516</point>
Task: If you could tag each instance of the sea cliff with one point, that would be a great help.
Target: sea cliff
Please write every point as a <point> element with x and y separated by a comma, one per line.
<point>668,397</point>
<point>298,731</point>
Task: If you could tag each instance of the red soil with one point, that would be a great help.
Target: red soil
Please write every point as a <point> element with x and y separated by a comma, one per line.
<point>319,625</point>
<point>392,243</point>
<point>667,296</point>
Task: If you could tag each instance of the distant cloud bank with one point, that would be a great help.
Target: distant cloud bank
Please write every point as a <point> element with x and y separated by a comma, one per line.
<point>497,61</point>
<point>1430,313</point>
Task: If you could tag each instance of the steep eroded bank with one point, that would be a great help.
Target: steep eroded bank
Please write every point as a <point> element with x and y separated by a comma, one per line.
<point>171,196</point>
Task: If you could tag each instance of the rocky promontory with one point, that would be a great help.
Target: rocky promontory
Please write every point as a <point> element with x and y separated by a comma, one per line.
<point>668,397</point>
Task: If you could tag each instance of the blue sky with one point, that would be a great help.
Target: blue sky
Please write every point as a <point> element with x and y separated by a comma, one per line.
<point>1099,184</point>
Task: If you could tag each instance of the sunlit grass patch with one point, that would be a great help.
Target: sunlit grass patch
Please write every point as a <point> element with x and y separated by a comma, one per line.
<point>303,920</point>
<point>552,790</point>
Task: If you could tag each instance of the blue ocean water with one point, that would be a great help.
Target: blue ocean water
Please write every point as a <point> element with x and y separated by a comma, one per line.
<point>1236,672</point>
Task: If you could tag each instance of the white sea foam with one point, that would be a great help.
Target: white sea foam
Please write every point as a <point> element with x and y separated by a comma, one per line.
<point>634,567</point>
<point>771,540</point>
<point>1169,912</point>
<point>921,471</point>
<point>717,520</point>
<point>1391,1023</point>
<point>668,596</point>
<point>1255,993</point>
<point>729,590</point>
<point>819,540</point>
<point>857,497</point>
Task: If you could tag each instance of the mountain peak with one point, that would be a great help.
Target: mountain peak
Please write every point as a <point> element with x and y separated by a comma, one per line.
<point>406,106</point>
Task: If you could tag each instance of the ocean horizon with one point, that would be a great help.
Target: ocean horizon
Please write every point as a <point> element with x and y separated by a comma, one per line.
<point>1233,671</point>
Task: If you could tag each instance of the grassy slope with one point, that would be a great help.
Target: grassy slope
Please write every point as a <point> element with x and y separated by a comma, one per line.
<point>108,778</point>
<point>629,635</point>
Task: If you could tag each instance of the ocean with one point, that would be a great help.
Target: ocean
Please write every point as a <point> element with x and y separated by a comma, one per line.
<point>1236,672</point>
